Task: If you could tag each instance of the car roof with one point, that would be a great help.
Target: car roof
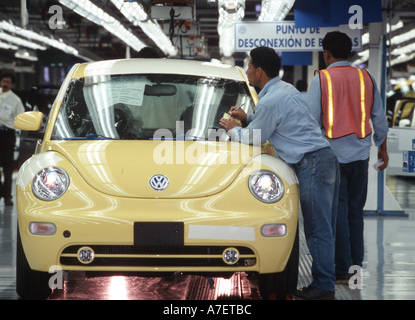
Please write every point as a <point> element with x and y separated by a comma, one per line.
<point>157,66</point>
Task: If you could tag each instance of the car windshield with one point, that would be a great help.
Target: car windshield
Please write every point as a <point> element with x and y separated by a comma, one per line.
<point>154,106</point>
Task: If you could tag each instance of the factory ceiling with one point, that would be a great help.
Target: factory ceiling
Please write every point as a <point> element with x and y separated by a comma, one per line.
<point>190,25</point>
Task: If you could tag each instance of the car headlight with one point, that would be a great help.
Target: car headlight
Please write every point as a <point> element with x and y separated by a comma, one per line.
<point>266,186</point>
<point>50,183</point>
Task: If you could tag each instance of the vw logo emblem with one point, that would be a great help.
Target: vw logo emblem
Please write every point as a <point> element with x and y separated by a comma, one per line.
<point>159,182</point>
<point>242,29</point>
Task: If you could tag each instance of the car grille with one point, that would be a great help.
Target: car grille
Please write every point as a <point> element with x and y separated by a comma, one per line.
<point>157,256</point>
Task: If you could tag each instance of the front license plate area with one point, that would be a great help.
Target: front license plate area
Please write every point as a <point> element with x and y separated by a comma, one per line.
<point>158,233</point>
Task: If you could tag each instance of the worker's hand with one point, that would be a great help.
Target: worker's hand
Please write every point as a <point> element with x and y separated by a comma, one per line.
<point>238,114</point>
<point>383,154</point>
<point>229,124</point>
<point>385,158</point>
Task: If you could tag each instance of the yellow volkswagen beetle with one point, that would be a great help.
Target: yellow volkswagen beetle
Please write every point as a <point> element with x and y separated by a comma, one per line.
<point>134,173</point>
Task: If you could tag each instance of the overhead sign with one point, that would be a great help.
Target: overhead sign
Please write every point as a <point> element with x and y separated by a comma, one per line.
<point>284,36</point>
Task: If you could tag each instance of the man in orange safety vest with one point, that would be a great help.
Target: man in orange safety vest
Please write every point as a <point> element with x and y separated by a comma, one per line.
<point>344,100</point>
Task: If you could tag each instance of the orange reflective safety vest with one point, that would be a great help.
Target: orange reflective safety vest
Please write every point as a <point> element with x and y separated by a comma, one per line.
<point>346,101</point>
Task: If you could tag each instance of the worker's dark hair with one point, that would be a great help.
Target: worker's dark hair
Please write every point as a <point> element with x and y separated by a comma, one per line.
<point>267,59</point>
<point>301,85</point>
<point>148,52</point>
<point>8,75</point>
<point>338,44</point>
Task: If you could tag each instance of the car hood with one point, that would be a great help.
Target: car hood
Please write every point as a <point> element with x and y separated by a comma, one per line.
<point>124,168</point>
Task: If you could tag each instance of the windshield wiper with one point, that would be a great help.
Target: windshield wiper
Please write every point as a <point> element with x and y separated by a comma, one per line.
<point>90,136</point>
<point>99,137</point>
<point>181,138</point>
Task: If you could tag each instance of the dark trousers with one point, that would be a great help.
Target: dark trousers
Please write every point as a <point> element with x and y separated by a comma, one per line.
<point>7,144</point>
<point>349,227</point>
<point>318,176</point>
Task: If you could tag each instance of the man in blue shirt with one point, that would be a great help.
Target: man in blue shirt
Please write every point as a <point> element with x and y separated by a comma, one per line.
<point>284,119</point>
<point>353,149</point>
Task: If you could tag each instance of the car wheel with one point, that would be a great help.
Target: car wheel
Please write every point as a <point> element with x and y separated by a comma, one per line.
<point>279,285</point>
<point>30,284</point>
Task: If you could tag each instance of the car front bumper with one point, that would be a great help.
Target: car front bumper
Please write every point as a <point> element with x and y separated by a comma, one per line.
<point>210,225</point>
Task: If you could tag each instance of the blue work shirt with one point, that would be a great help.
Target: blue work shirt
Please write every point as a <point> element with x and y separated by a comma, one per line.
<point>350,148</point>
<point>284,119</point>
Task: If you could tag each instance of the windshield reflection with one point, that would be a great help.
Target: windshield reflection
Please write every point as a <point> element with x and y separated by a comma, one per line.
<point>132,107</point>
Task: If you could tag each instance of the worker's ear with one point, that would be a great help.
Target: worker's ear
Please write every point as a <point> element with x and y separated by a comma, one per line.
<point>327,54</point>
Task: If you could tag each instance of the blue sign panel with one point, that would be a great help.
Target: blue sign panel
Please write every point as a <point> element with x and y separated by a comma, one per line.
<point>331,13</point>
<point>296,58</point>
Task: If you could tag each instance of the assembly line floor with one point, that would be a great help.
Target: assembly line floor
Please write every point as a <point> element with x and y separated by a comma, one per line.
<point>388,271</point>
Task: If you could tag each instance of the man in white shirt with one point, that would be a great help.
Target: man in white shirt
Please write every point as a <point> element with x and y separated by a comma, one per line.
<point>10,107</point>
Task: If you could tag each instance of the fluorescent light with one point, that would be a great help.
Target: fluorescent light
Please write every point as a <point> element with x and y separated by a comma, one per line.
<point>135,13</point>
<point>21,42</point>
<point>95,14</point>
<point>8,46</point>
<point>394,27</point>
<point>402,58</point>
<point>389,28</point>
<point>275,10</point>
<point>25,54</point>
<point>230,11</point>
<point>31,35</point>
<point>403,54</point>
<point>404,50</point>
<point>363,57</point>
<point>403,37</point>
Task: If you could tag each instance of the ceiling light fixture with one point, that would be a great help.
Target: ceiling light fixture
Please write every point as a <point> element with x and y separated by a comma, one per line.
<point>98,16</point>
<point>230,11</point>
<point>403,37</point>
<point>409,48</point>
<point>8,46</point>
<point>389,28</point>
<point>402,58</point>
<point>20,42</point>
<point>34,40</point>
<point>401,54</point>
<point>275,10</point>
<point>31,35</point>
<point>363,56</point>
<point>136,14</point>
<point>25,54</point>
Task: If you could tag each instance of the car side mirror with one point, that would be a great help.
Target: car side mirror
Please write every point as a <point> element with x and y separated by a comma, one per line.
<point>29,121</point>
